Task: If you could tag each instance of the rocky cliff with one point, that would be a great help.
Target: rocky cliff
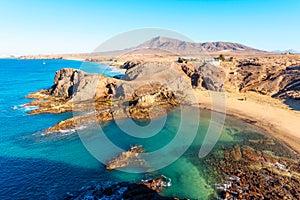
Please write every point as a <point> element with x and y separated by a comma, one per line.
<point>147,90</point>
<point>276,76</point>
<point>151,89</point>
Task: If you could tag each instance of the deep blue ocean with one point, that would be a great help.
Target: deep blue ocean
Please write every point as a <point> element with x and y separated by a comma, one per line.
<point>36,167</point>
<point>31,167</point>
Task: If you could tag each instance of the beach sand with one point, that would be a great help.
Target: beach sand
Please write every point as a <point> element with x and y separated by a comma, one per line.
<point>269,114</point>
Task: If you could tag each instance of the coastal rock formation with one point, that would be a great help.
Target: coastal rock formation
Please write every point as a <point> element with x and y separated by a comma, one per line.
<point>128,158</point>
<point>195,75</point>
<point>213,77</point>
<point>276,76</point>
<point>77,122</point>
<point>65,82</point>
<point>138,96</point>
<point>151,89</point>
<point>207,76</point>
<point>157,184</point>
<point>147,189</point>
<point>154,73</point>
<point>272,75</point>
<point>254,174</point>
<point>130,64</point>
<point>73,90</point>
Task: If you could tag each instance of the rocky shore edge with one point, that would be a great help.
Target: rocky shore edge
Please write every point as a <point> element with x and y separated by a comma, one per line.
<point>94,98</point>
<point>141,99</point>
<point>237,172</point>
<point>152,88</point>
<point>145,189</point>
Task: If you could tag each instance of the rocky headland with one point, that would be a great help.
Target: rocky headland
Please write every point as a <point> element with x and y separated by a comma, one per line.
<point>155,86</point>
<point>150,89</point>
<point>96,98</point>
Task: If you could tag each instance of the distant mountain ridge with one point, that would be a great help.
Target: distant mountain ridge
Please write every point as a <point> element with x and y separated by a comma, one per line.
<point>285,51</point>
<point>183,47</point>
<point>164,46</point>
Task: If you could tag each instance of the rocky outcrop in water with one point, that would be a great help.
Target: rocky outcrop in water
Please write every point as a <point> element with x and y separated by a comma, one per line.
<point>148,90</point>
<point>254,174</point>
<point>65,82</point>
<point>72,87</point>
<point>128,158</point>
<point>152,89</point>
<point>147,189</point>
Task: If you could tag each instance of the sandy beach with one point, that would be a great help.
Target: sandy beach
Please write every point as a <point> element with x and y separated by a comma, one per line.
<point>271,115</point>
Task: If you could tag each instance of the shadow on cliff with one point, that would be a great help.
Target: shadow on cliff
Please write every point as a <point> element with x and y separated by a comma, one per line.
<point>293,104</point>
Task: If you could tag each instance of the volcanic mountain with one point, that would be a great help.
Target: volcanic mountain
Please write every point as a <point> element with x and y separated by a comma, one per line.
<point>190,48</point>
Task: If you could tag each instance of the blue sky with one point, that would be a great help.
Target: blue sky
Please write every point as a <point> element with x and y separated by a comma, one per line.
<point>32,27</point>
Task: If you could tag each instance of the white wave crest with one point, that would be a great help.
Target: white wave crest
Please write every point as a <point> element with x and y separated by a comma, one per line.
<point>24,107</point>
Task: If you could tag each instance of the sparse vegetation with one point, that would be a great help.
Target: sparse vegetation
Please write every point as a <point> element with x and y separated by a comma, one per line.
<point>221,57</point>
<point>182,60</point>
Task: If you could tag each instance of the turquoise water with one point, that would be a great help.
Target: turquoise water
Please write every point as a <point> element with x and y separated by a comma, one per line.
<point>32,167</point>
<point>37,167</point>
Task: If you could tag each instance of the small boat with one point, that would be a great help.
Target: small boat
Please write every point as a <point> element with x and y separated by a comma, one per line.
<point>44,63</point>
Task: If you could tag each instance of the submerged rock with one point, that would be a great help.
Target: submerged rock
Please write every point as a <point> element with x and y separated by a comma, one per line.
<point>254,174</point>
<point>157,184</point>
<point>128,158</point>
<point>148,189</point>
<point>236,153</point>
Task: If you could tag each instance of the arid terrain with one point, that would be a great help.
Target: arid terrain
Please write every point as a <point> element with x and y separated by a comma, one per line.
<point>260,88</point>
<point>268,81</point>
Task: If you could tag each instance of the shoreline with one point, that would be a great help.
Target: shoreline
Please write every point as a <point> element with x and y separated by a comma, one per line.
<point>108,63</point>
<point>270,115</point>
